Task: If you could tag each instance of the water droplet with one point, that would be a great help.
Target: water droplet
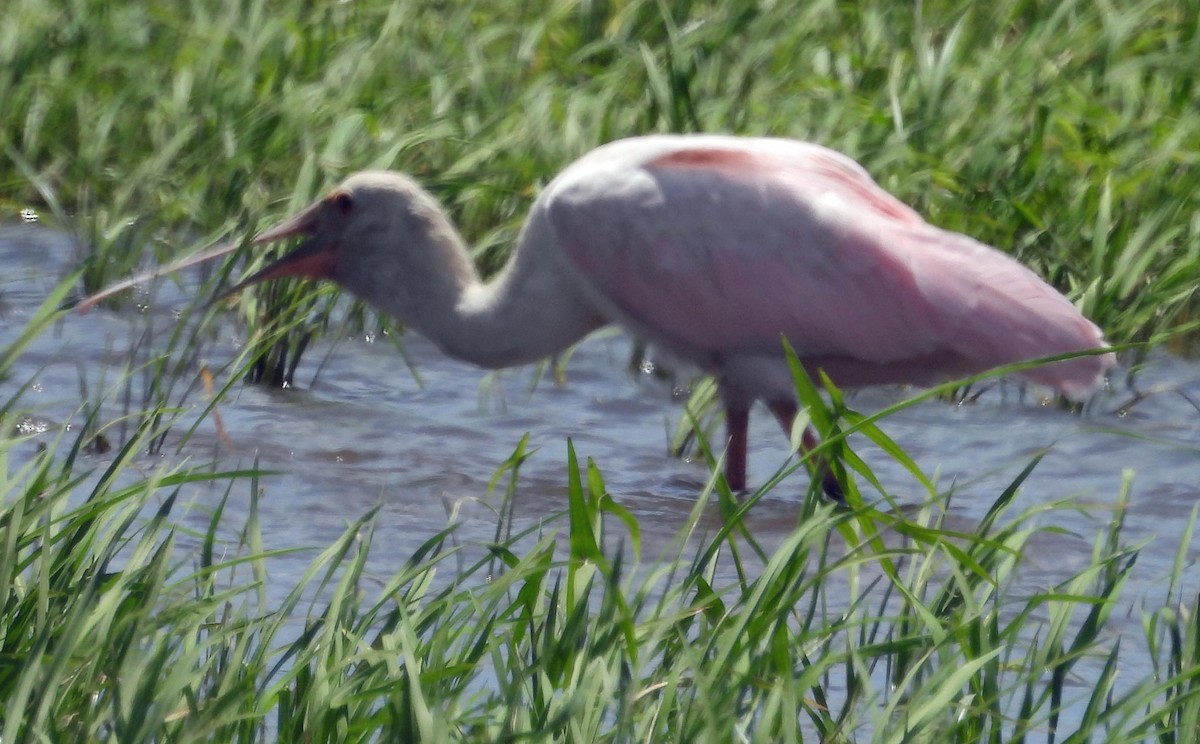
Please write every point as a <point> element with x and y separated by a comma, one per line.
<point>28,215</point>
<point>647,367</point>
<point>29,426</point>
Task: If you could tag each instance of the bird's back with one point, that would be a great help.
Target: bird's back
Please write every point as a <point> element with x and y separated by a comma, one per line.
<point>718,247</point>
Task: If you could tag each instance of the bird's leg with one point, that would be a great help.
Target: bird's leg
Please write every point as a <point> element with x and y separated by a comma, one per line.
<point>785,414</point>
<point>737,419</point>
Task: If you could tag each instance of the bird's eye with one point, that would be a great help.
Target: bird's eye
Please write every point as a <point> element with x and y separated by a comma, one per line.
<point>342,201</point>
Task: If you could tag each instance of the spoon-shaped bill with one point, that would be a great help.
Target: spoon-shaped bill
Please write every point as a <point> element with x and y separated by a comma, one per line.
<point>313,259</point>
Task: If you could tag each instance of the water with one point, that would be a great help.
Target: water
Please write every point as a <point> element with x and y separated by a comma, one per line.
<point>363,432</point>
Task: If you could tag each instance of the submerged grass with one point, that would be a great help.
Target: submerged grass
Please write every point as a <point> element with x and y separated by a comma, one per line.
<point>1065,133</point>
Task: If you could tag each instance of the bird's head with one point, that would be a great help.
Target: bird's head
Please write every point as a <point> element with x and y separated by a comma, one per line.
<point>374,229</point>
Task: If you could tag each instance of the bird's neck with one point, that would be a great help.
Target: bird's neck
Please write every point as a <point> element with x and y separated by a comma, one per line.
<point>530,311</point>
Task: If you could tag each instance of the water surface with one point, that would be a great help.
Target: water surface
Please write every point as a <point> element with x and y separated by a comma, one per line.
<point>363,432</point>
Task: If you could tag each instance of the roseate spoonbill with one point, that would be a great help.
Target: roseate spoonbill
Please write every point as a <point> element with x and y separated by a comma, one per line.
<point>714,248</point>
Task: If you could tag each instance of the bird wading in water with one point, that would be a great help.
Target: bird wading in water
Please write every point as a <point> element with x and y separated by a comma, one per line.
<point>715,249</point>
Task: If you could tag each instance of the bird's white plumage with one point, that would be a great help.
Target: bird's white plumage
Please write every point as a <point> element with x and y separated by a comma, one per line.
<point>716,248</point>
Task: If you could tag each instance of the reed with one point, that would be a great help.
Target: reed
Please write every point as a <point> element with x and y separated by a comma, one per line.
<point>1062,132</point>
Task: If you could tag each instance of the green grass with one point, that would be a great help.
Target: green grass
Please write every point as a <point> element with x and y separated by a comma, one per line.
<point>1065,133</point>
<point>859,626</point>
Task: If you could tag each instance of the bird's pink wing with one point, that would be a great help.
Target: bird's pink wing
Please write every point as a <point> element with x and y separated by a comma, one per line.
<point>714,251</point>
